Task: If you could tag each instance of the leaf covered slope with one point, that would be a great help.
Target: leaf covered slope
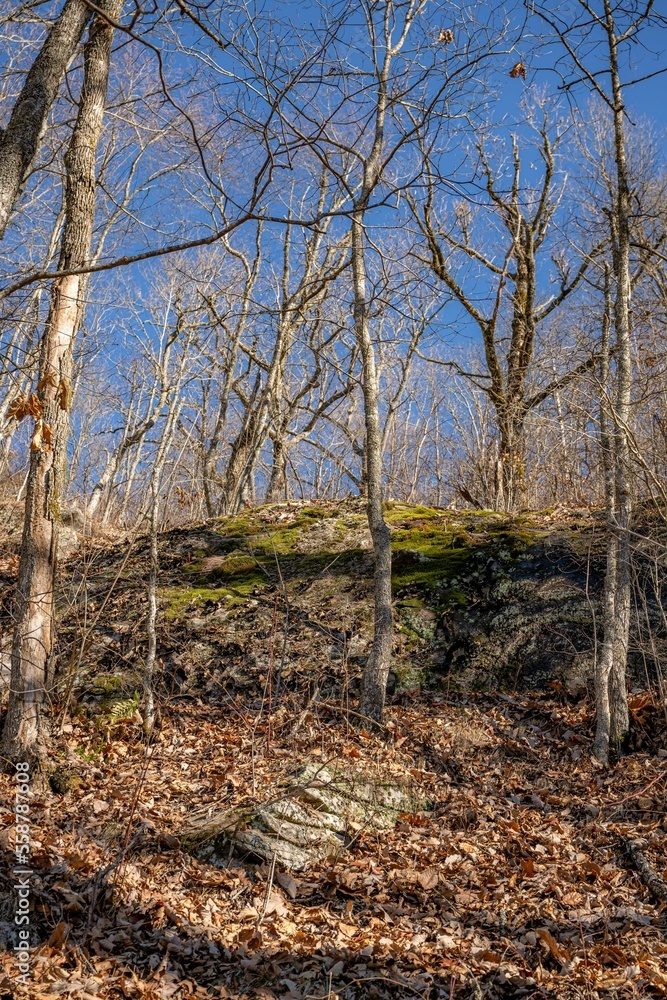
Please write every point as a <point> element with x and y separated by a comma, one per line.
<point>508,879</point>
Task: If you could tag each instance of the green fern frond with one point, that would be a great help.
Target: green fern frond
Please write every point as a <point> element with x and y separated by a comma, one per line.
<point>121,709</point>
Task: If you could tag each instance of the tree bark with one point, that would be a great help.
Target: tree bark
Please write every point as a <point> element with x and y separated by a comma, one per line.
<point>25,734</point>
<point>151,710</point>
<point>21,140</point>
<point>620,719</point>
<point>244,451</point>
<point>277,489</point>
<point>512,479</point>
<point>376,671</point>
<point>604,662</point>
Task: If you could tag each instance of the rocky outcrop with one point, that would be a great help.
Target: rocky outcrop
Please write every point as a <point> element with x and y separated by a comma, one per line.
<point>521,615</point>
<point>315,817</point>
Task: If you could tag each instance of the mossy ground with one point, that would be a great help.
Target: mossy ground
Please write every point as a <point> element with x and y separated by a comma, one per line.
<point>460,581</point>
<point>474,599</point>
<point>432,550</point>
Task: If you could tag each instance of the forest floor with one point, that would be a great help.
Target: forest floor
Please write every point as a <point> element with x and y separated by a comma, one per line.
<point>514,882</point>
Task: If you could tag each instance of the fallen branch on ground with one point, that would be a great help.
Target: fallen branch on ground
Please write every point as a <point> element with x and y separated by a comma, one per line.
<point>653,882</point>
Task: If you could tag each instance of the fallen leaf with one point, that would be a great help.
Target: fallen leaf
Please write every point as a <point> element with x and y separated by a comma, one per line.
<point>58,936</point>
<point>428,879</point>
<point>287,883</point>
<point>558,952</point>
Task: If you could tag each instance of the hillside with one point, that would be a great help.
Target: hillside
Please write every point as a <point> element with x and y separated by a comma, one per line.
<point>503,875</point>
<point>483,601</point>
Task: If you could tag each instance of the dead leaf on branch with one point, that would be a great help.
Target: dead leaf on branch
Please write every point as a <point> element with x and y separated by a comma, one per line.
<point>25,406</point>
<point>49,379</point>
<point>446,35</point>
<point>42,437</point>
<point>36,440</point>
<point>518,70</point>
<point>64,394</point>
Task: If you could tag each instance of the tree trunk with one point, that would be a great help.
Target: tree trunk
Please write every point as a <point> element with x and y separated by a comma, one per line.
<point>103,484</point>
<point>604,662</point>
<point>376,671</point>
<point>21,140</point>
<point>277,490</point>
<point>236,473</point>
<point>613,720</point>
<point>512,485</point>
<point>620,719</point>
<point>25,732</point>
<point>210,478</point>
<point>151,712</point>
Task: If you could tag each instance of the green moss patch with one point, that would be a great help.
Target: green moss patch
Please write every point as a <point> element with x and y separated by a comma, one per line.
<point>395,512</point>
<point>427,556</point>
<point>178,599</point>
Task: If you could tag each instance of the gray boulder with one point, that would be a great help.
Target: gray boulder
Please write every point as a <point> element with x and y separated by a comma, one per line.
<point>314,817</point>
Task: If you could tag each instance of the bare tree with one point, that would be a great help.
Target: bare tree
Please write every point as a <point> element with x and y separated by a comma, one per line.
<point>318,266</point>
<point>229,329</point>
<point>527,216</point>
<point>142,419</point>
<point>373,164</point>
<point>614,27</point>
<point>25,726</point>
<point>20,141</point>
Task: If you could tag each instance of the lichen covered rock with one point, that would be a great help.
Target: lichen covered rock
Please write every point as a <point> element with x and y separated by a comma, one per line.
<point>312,818</point>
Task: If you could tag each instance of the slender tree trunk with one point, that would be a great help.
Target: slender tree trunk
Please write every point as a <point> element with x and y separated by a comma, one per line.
<point>211,456</point>
<point>244,451</point>
<point>374,683</point>
<point>210,477</point>
<point>151,715</point>
<point>604,662</point>
<point>25,732</point>
<point>103,484</point>
<point>277,490</point>
<point>22,138</point>
<point>134,438</point>
<point>128,485</point>
<point>620,719</point>
<point>151,629</point>
<point>236,473</point>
